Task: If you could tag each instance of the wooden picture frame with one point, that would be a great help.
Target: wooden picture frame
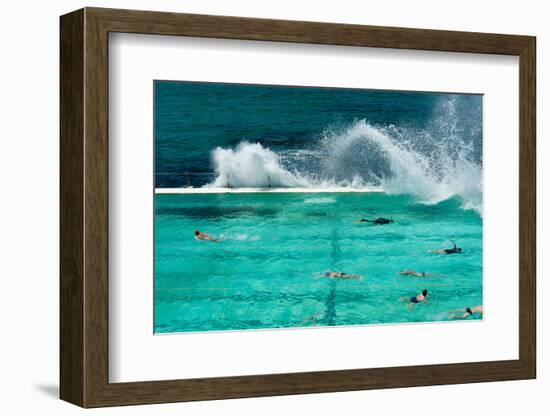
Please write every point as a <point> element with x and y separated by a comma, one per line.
<point>84,207</point>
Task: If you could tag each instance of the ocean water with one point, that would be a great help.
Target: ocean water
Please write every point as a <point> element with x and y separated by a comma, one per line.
<point>422,152</point>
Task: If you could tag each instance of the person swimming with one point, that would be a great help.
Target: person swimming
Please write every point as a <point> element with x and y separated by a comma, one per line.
<point>342,275</point>
<point>376,221</point>
<point>408,272</point>
<point>413,300</point>
<point>465,313</point>
<point>453,250</point>
<point>204,236</point>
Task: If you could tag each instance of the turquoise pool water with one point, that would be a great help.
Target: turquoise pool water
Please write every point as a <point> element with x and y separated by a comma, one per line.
<point>266,272</point>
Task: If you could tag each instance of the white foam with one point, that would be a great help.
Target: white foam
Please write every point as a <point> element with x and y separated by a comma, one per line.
<point>431,178</point>
<point>387,158</point>
<point>252,165</point>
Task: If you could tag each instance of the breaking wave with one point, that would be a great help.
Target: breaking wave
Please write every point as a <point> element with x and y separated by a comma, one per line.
<point>431,164</point>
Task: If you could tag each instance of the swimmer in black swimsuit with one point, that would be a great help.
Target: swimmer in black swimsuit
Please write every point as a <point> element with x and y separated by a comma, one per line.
<point>408,272</point>
<point>376,221</point>
<point>453,250</point>
<point>465,313</point>
<point>412,301</point>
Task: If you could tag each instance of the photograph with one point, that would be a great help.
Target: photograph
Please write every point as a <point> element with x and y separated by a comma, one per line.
<point>283,207</point>
<point>277,203</point>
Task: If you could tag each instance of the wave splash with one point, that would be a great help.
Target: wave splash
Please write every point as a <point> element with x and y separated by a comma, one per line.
<point>429,169</point>
<point>251,165</point>
<point>432,167</point>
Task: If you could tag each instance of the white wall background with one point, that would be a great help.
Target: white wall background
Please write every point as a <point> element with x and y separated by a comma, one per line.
<point>29,206</point>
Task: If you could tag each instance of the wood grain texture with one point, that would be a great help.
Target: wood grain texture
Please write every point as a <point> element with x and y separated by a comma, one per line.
<point>84,207</point>
<point>96,208</point>
<point>162,23</point>
<point>528,208</point>
<point>71,100</point>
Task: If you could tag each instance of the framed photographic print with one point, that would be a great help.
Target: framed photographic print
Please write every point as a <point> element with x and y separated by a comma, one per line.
<point>261,207</point>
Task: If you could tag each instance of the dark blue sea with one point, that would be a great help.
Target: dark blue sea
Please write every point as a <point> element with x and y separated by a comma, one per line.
<point>319,135</point>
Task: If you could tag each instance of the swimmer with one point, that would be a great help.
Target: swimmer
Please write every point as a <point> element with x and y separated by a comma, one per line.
<point>464,313</point>
<point>453,250</point>
<point>342,275</point>
<point>204,236</point>
<point>408,272</point>
<point>412,301</point>
<point>376,221</point>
